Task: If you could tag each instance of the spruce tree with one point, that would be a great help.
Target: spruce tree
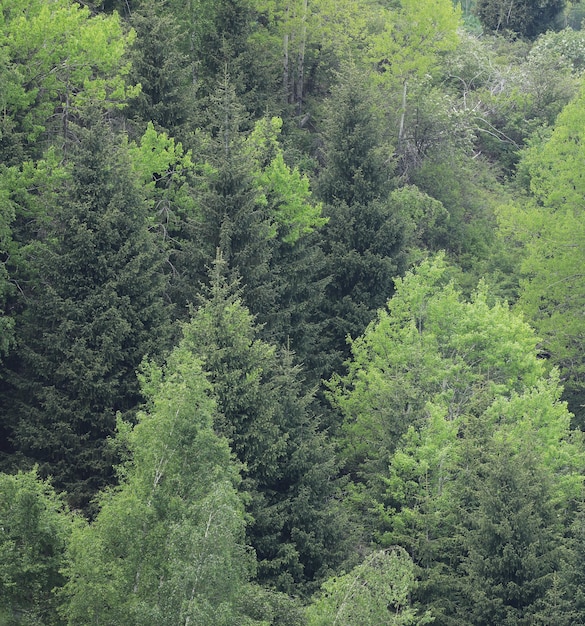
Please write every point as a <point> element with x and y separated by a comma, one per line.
<point>235,219</point>
<point>162,68</point>
<point>514,544</point>
<point>289,468</point>
<point>363,241</point>
<point>93,309</point>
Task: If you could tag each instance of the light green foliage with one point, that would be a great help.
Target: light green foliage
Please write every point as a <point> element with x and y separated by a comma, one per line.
<point>538,420</point>
<point>31,189</point>
<point>167,545</point>
<point>424,217</point>
<point>566,46</point>
<point>285,191</point>
<point>430,345</point>
<point>34,530</point>
<point>413,38</point>
<point>375,592</point>
<point>556,180</point>
<point>551,228</point>
<point>416,508</point>
<point>433,382</point>
<point>407,52</point>
<point>66,59</point>
<point>165,170</point>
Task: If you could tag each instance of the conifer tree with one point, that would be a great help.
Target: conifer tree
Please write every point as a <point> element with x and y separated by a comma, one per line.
<point>289,467</point>
<point>235,219</point>
<point>514,544</point>
<point>92,311</point>
<point>162,68</point>
<point>363,241</point>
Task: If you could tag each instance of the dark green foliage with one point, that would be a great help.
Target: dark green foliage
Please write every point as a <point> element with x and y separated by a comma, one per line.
<point>289,468</point>
<point>364,250</point>
<point>235,220</point>
<point>162,68</point>
<point>301,532</point>
<point>363,241</point>
<point>524,18</point>
<point>564,603</point>
<point>297,271</point>
<point>234,503</point>
<point>358,161</point>
<point>92,311</point>
<point>513,545</point>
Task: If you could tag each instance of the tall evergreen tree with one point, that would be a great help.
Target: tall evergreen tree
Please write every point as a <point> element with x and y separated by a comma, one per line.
<point>514,542</point>
<point>235,219</point>
<point>93,311</point>
<point>162,68</point>
<point>363,241</point>
<point>289,467</point>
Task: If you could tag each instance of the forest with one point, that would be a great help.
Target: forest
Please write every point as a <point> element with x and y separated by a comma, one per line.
<point>292,312</point>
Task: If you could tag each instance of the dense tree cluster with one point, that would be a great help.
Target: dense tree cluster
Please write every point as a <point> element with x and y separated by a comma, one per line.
<point>291,312</point>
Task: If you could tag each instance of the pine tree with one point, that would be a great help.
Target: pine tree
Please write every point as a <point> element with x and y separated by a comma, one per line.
<point>92,312</point>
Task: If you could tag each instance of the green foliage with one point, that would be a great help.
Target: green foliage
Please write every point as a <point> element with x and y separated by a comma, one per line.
<point>374,592</point>
<point>93,302</point>
<point>413,38</point>
<point>34,532</point>
<point>285,191</point>
<point>289,468</point>
<point>235,218</point>
<point>314,150</point>
<point>259,213</point>
<point>363,241</point>
<point>519,18</point>
<point>434,383</point>
<point>66,59</point>
<point>430,345</point>
<point>513,544</point>
<point>550,227</point>
<point>357,154</point>
<point>167,546</point>
<point>161,66</point>
<point>222,333</point>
